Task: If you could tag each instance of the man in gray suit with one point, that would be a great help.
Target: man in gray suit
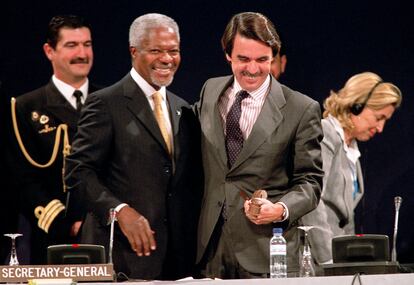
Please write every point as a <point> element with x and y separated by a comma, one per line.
<point>256,134</point>
<point>137,151</point>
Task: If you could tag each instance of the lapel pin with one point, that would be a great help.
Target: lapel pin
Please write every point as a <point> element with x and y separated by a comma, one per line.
<point>35,116</point>
<point>178,112</point>
<point>44,119</point>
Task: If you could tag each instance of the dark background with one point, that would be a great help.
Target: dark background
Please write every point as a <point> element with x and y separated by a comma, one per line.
<point>326,42</point>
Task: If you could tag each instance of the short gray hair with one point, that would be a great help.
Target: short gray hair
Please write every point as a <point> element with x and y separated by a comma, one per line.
<point>141,25</point>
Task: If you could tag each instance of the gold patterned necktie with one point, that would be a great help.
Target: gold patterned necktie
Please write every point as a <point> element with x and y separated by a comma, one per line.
<point>159,116</point>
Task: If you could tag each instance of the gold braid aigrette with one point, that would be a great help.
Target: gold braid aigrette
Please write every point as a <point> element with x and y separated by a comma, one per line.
<point>47,214</point>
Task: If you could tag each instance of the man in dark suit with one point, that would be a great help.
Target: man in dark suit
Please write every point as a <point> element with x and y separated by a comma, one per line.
<point>256,134</point>
<point>137,151</point>
<point>38,115</point>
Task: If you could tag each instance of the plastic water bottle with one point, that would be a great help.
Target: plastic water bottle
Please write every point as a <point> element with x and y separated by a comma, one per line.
<point>278,267</point>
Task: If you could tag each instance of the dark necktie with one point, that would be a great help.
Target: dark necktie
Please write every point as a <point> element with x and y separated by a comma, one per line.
<point>234,135</point>
<point>78,96</point>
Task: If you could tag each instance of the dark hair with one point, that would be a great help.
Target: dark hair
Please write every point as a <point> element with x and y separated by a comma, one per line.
<point>282,48</point>
<point>253,26</point>
<point>63,21</point>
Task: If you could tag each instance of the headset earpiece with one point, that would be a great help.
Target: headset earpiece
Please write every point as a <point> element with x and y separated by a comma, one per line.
<point>357,108</point>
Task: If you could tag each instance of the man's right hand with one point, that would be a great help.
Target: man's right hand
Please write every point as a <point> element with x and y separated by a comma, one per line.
<point>138,231</point>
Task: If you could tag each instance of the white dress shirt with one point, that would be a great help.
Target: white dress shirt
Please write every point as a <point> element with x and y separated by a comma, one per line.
<point>149,91</point>
<point>67,90</point>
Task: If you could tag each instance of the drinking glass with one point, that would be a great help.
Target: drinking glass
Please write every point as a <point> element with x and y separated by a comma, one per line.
<point>13,253</point>
<point>306,266</point>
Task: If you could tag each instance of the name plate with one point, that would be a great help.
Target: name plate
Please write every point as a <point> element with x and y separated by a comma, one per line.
<point>77,272</point>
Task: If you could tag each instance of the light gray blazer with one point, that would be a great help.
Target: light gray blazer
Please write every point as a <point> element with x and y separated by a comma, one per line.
<point>334,215</point>
<point>282,155</point>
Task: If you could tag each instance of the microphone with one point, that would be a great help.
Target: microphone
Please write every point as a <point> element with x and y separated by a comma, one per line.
<point>112,219</point>
<point>111,236</point>
<point>397,203</point>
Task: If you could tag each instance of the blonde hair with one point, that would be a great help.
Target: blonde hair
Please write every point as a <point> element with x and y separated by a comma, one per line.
<point>357,90</point>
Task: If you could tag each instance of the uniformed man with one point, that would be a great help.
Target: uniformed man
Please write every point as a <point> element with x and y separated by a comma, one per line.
<point>41,117</point>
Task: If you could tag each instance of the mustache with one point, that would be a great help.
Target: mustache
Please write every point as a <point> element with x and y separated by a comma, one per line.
<point>79,60</point>
<point>252,75</point>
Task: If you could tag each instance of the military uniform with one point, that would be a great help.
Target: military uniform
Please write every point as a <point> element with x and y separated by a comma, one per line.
<point>39,114</point>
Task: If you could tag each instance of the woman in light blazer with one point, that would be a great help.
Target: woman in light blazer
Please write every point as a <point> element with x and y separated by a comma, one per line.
<point>355,113</point>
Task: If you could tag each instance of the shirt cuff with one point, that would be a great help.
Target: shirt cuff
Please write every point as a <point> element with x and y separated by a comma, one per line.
<point>285,215</point>
<point>119,207</point>
<point>114,212</point>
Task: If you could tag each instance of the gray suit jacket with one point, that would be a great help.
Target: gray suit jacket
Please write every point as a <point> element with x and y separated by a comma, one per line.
<point>335,213</point>
<point>282,155</point>
<point>119,156</point>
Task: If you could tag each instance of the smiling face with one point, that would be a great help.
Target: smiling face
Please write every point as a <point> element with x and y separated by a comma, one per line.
<point>368,123</point>
<point>250,61</point>
<point>72,57</point>
<point>158,57</point>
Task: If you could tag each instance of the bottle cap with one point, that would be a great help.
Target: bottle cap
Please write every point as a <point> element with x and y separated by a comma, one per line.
<point>277,231</point>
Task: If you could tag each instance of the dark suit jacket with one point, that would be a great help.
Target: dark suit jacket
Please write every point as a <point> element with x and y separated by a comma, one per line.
<point>119,156</point>
<point>39,186</point>
<point>282,155</point>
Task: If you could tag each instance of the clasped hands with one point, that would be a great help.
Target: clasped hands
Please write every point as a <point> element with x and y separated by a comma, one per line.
<point>137,230</point>
<point>261,211</point>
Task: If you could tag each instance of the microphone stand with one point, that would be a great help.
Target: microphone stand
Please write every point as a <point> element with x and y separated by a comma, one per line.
<point>112,217</point>
<point>397,203</point>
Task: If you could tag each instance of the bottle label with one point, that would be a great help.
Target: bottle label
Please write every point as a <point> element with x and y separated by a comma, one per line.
<point>278,249</point>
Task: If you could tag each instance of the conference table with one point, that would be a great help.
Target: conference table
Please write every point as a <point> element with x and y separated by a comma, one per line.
<point>380,279</point>
<point>103,274</point>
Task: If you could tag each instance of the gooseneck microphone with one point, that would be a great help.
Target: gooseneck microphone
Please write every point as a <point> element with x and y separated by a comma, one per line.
<point>111,237</point>
<point>111,221</point>
<point>397,203</point>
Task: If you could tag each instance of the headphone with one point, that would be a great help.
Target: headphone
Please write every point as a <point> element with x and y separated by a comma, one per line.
<point>357,108</point>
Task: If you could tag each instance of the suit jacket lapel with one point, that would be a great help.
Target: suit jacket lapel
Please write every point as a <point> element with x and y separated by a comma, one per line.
<point>57,104</point>
<point>215,129</point>
<point>139,106</point>
<point>175,115</point>
<point>266,123</point>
